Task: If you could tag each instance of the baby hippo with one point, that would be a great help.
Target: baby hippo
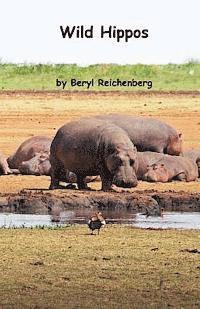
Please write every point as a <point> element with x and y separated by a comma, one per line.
<point>33,147</point>
<point>172,168</point>
<point>38,165</point>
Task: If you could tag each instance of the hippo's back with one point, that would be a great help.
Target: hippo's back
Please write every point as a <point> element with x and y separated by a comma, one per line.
<point>147,134</point>
<point>80,144</point>
<point>193,154</point>
<point>74,144</point>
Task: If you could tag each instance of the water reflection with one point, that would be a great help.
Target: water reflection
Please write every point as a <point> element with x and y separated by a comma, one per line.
<point>179,220</point>
<point>83,214</point>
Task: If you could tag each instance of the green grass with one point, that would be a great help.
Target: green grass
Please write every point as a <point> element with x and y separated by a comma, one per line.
<point>123,267</point>
<point>42,77</point>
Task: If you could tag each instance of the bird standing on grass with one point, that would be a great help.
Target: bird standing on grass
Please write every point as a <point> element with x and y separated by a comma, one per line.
<point>96,222</point>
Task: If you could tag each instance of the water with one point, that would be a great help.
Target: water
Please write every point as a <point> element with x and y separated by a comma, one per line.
<point>177,220</point>
<point>10,220</point>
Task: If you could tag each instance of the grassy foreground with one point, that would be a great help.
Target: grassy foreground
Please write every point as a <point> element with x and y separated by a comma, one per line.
<point>42,77</point>
<point>123,267</point>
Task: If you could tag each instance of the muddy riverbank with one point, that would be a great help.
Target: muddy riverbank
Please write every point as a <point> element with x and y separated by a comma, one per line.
<point>45,202</point>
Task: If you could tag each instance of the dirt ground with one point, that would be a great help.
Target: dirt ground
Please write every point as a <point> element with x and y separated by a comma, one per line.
<point>25,114</point>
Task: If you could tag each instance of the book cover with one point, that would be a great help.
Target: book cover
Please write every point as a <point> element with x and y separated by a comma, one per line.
<point>99,154</point>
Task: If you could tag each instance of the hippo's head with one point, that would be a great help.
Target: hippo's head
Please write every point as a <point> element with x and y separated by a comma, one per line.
<point>175,146</point>
<point>123,164</point>
<point>156,173</point>
<point>38,165</point>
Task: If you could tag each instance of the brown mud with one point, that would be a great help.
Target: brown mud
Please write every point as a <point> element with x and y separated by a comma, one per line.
<point>45,202</point>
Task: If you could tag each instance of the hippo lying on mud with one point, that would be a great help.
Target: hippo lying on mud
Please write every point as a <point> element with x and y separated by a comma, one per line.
<point>148,133</point>
<point>32,156</point>
<point>4,168</point>
<point>37,147</point>
<point>167,168</point>
<point>94,147</point>
<point>146,159</point>
<point>194,155</point>
<point>38,165</point>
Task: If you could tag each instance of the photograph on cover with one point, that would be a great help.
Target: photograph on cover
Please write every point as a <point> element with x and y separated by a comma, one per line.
<point>100,154</point>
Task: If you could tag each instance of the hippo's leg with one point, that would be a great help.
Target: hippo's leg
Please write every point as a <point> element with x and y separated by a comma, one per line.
<point>106,178</point>
<point>54,183</point>
<point>81,182</point>
<point>106,182</point>
<point>56,172</point>
<point>5,168</point>
<point>182,177</point>
<point>106,185</point>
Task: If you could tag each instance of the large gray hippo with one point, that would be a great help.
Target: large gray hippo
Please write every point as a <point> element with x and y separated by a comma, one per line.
<point>194,155</point>
<point>37,147</point>
<point>148,133</point>
<point>164,168</point>
<point>4,168</point>
<point>94,147</point>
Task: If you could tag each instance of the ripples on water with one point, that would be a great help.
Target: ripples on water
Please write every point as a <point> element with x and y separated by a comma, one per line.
<point>178,220</point>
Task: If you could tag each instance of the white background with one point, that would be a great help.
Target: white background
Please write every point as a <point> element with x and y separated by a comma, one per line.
<point>29,31</point>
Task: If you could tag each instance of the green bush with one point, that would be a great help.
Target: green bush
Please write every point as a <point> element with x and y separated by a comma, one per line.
<point>42,76</point>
